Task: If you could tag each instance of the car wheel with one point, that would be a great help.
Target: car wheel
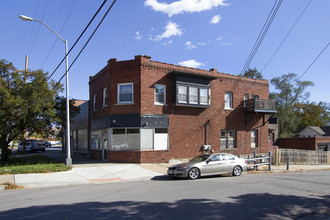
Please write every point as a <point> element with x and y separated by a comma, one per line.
<point>193,173</point>
<point>237,171</point>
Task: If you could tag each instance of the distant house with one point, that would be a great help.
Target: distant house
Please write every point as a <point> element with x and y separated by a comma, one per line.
<point>310,138</point>
<point>312,131</point>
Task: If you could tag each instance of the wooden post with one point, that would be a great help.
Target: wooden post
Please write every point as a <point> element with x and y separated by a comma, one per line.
<point>288,163</point>
<point>270,161</point>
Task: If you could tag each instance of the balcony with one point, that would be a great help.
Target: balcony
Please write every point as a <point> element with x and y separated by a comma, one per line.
<point>260,106</point>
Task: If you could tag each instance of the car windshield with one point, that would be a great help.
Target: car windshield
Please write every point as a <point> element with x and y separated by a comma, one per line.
<point>200,158</point>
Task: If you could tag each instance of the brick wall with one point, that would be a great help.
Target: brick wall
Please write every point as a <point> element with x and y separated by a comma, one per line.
<point>297,143</point>
<point>186,130</point>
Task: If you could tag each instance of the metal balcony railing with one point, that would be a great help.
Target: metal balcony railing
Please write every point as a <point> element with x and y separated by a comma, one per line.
<point>260,105</point>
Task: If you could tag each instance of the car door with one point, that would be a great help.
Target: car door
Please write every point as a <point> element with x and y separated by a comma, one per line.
<point>228,163</point>
<point>212,165</point>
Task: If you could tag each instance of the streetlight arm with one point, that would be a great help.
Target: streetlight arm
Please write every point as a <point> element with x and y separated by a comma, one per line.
<point>25,18</point>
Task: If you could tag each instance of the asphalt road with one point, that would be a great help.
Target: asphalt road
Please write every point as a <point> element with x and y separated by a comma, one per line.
<point>260,196</point>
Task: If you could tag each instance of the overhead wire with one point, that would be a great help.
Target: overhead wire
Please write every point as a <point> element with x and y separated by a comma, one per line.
<point>286,36</point>
<point>82,33</point>
<point>106,13</point>
<point>313,61</point>
<point>259,40</point>
<point>46,43</point>
<point>32,29</point>
<point>56,40</point>
<point>262,35</point>
<point>42,17</point>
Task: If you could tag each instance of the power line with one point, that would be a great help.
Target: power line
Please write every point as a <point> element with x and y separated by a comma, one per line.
<point>56,40</point>
<point>259,40</point>
<point>262,35</point>
<point>82,33</point>
<point>286,36</point>
<point>46,43</point>
<point>106,13</point>
<point>42,17</point>
<point>313,61</point>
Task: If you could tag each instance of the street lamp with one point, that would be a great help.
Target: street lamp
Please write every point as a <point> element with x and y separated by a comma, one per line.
<point>68,161</point>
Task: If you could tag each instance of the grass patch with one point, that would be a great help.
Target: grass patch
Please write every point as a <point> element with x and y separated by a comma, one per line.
<point>32,164</point>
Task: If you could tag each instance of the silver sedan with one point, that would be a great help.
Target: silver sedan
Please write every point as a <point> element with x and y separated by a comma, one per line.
<point>209,164</point>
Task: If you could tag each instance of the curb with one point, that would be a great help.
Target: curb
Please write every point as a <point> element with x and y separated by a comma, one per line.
<point>7,179</point>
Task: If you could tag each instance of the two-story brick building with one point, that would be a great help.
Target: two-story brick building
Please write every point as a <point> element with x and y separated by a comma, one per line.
<point>150,112</point>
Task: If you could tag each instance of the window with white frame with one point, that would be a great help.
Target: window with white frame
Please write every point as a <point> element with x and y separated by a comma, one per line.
<point>204,96</point>
<point>94,102</point>
<point>245,98</point>
<point>125,93</point>
<point>254,138</point>
<point>182,94</point>
<point>227,139</point>
<point>193,95</point>
<point>160,94</point>
<point>105,97</point>
<point>138,139</point>
<point>228,100</point>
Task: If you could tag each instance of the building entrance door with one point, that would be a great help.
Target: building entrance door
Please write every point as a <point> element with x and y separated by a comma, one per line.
<point>104,144</point>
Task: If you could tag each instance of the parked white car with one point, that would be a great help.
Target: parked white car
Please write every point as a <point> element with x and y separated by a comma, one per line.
<point>32,146</point>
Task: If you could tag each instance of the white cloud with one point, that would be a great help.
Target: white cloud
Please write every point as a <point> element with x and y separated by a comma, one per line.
<point>216,19</point>
<point>181,6</point>
<point>171,29</point>
<point>201,43</point>
<point>191,63</point>
<point>138,35</point>
<point>189,45</point>
<point>220,38</point>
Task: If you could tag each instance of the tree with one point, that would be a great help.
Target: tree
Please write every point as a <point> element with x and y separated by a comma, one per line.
<point>60,106</point>
<point>291,92</point>
<point>24,106</point>
<point>253,74</point>
<point>312,114</point>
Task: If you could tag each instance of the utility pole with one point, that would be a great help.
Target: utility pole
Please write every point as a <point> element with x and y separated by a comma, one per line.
<point>25,80</point>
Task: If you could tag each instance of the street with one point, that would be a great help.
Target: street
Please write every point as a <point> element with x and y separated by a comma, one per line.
<point>250,196</point>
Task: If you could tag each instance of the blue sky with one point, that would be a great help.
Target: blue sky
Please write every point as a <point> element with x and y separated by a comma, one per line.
<point>204,34</point>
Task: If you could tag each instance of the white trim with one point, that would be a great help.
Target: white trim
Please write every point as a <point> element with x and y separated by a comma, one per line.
<point>105,96</point>
<point>118,93</point>
<point>94,102</point>
<point>159,103</point>
<point>230,107</point>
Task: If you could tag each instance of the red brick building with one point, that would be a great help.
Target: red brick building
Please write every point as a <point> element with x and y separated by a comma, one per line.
<point>150,112</point>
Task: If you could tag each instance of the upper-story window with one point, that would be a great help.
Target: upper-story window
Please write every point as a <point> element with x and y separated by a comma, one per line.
<point>204,96</point>
<point>160,94</point>
<point>94,102</point>
<point>125,93</point>
<point>245,98</point>
<point>255,96</point>
<point>105,96</point>
<point>193,95</point>
<point>182,94</point>
<point>192,90</point>
<point>228,100</point>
